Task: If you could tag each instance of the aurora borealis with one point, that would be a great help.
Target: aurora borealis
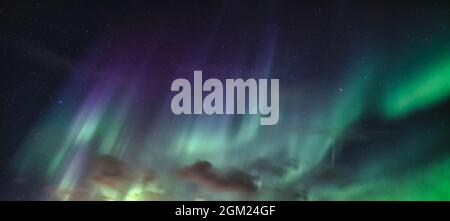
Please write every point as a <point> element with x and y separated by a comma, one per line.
<point>364,101</point>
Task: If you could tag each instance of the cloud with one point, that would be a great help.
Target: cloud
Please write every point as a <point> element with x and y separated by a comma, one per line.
<point>203,173</point>
<point>276,165</point>
<point>110,171</point>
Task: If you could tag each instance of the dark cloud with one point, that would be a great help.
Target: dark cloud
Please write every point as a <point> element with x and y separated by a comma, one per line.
<point>110,171</point>
<point>203,173</point>
<point>286,193</point>
<point>267,166</point>
<point>277,164</point>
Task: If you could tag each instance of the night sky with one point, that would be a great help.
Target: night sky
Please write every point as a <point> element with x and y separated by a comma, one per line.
<point>364,100</point>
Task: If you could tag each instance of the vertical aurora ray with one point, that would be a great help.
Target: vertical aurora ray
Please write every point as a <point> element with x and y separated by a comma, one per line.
<point>329,122</point>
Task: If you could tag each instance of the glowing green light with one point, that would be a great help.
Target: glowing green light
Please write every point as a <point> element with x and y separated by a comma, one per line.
<point>425,89</point>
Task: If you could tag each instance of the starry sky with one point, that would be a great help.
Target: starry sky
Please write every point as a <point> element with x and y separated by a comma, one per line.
<point>364,100</point>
